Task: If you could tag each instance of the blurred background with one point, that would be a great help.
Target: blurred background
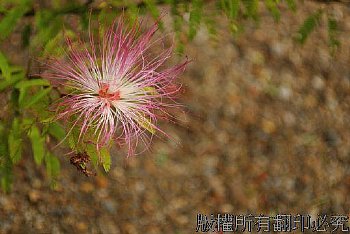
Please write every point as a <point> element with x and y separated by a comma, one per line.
<point>265,130</point>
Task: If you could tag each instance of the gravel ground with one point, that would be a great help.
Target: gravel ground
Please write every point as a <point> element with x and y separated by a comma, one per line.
<point>266,130</point>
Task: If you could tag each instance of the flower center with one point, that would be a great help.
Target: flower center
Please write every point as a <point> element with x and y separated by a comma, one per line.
<point>104,93</point>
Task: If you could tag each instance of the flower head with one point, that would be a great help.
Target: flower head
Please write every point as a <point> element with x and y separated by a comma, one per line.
<point>117,87</point>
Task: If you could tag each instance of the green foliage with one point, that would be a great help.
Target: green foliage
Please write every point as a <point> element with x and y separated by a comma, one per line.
<point>132,12</point>
<point>52,167</point>
<point>106,159</point>
<point>333,34</point>
<point>53,46</point>
<point>41,94</point>
<point>178,22</point>
<point>106,18</point>
<point>231,8</point>
<point>272,6</point>
<point>48,24</point>
<point>38,142</point>
<point>93,154</point>
<point>292,4</point>
<point>146,124</point>
<point>30,83</point>
<point>195,17</point>
<point>251,8</point>
<point>312,22</point>
<point>238,10</point>
<point>6,177</point>
<point>15,141</point>
<point>211,27</point>
<point>26,100</point>
<point>11,18</point>
<point>101,156</point>
<point>5,161</point>
<point>25,94</point>
<point>153,9</point>
<point>10,82</point>
<point>56,130</point>
<point>72,142</point>
<point>308,26</point>
<point>4,67</point>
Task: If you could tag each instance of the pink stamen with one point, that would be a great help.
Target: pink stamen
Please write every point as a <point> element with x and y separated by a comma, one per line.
<point>103,93</point>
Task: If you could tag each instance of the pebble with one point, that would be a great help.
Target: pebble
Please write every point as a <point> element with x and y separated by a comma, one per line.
<point>107,226</point>
<point>101,181</point>
<point>318,83</point>
<point>268,126</point>
<point>7,204</point>
<point>34,196</point>
<point>87,187</point>
<point>285,93</point>
<point>110,206</point>
<point>81,226</point>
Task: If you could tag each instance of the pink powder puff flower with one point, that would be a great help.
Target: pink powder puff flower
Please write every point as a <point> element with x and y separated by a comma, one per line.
<point>117,88</point>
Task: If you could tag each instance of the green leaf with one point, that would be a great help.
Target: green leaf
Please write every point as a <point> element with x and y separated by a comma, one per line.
<point>6,176</point>
<point>150,90</point>
<point>308,26</point>
<point>231,8</point>
<point>106,159</point>
<point>177,23</point>
<point>23,85</point>
<point>72,139</point>
<point>15,141</point>
<point>73,142</point>
<point>57,131</point>
<point>273,8</point>
<point>29,83</point>
<point>36,97</point>
<point>14,79</point>
<point>37,144</point>
<point>2,8</point>
<point>48,26</point>
<point>106,18</point>
<point>211,27</point>
<point>195,17</point>
<point>42,17</point>
<point>251,7</point>
<point>47,119</point>
<point>333,41</point>
<point>53,46</point>
<point>291,5</point>
<point>6,183</point>
<point>133,12</point>
<point>26,124</point>
<point>5,161</point>
<point>91,151</point>
<point>146,124</point>
<point>10,20</point>
<point>16,69</point>
<point>4,67</point>
<point>152,7</point>
<point>52,165</point>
